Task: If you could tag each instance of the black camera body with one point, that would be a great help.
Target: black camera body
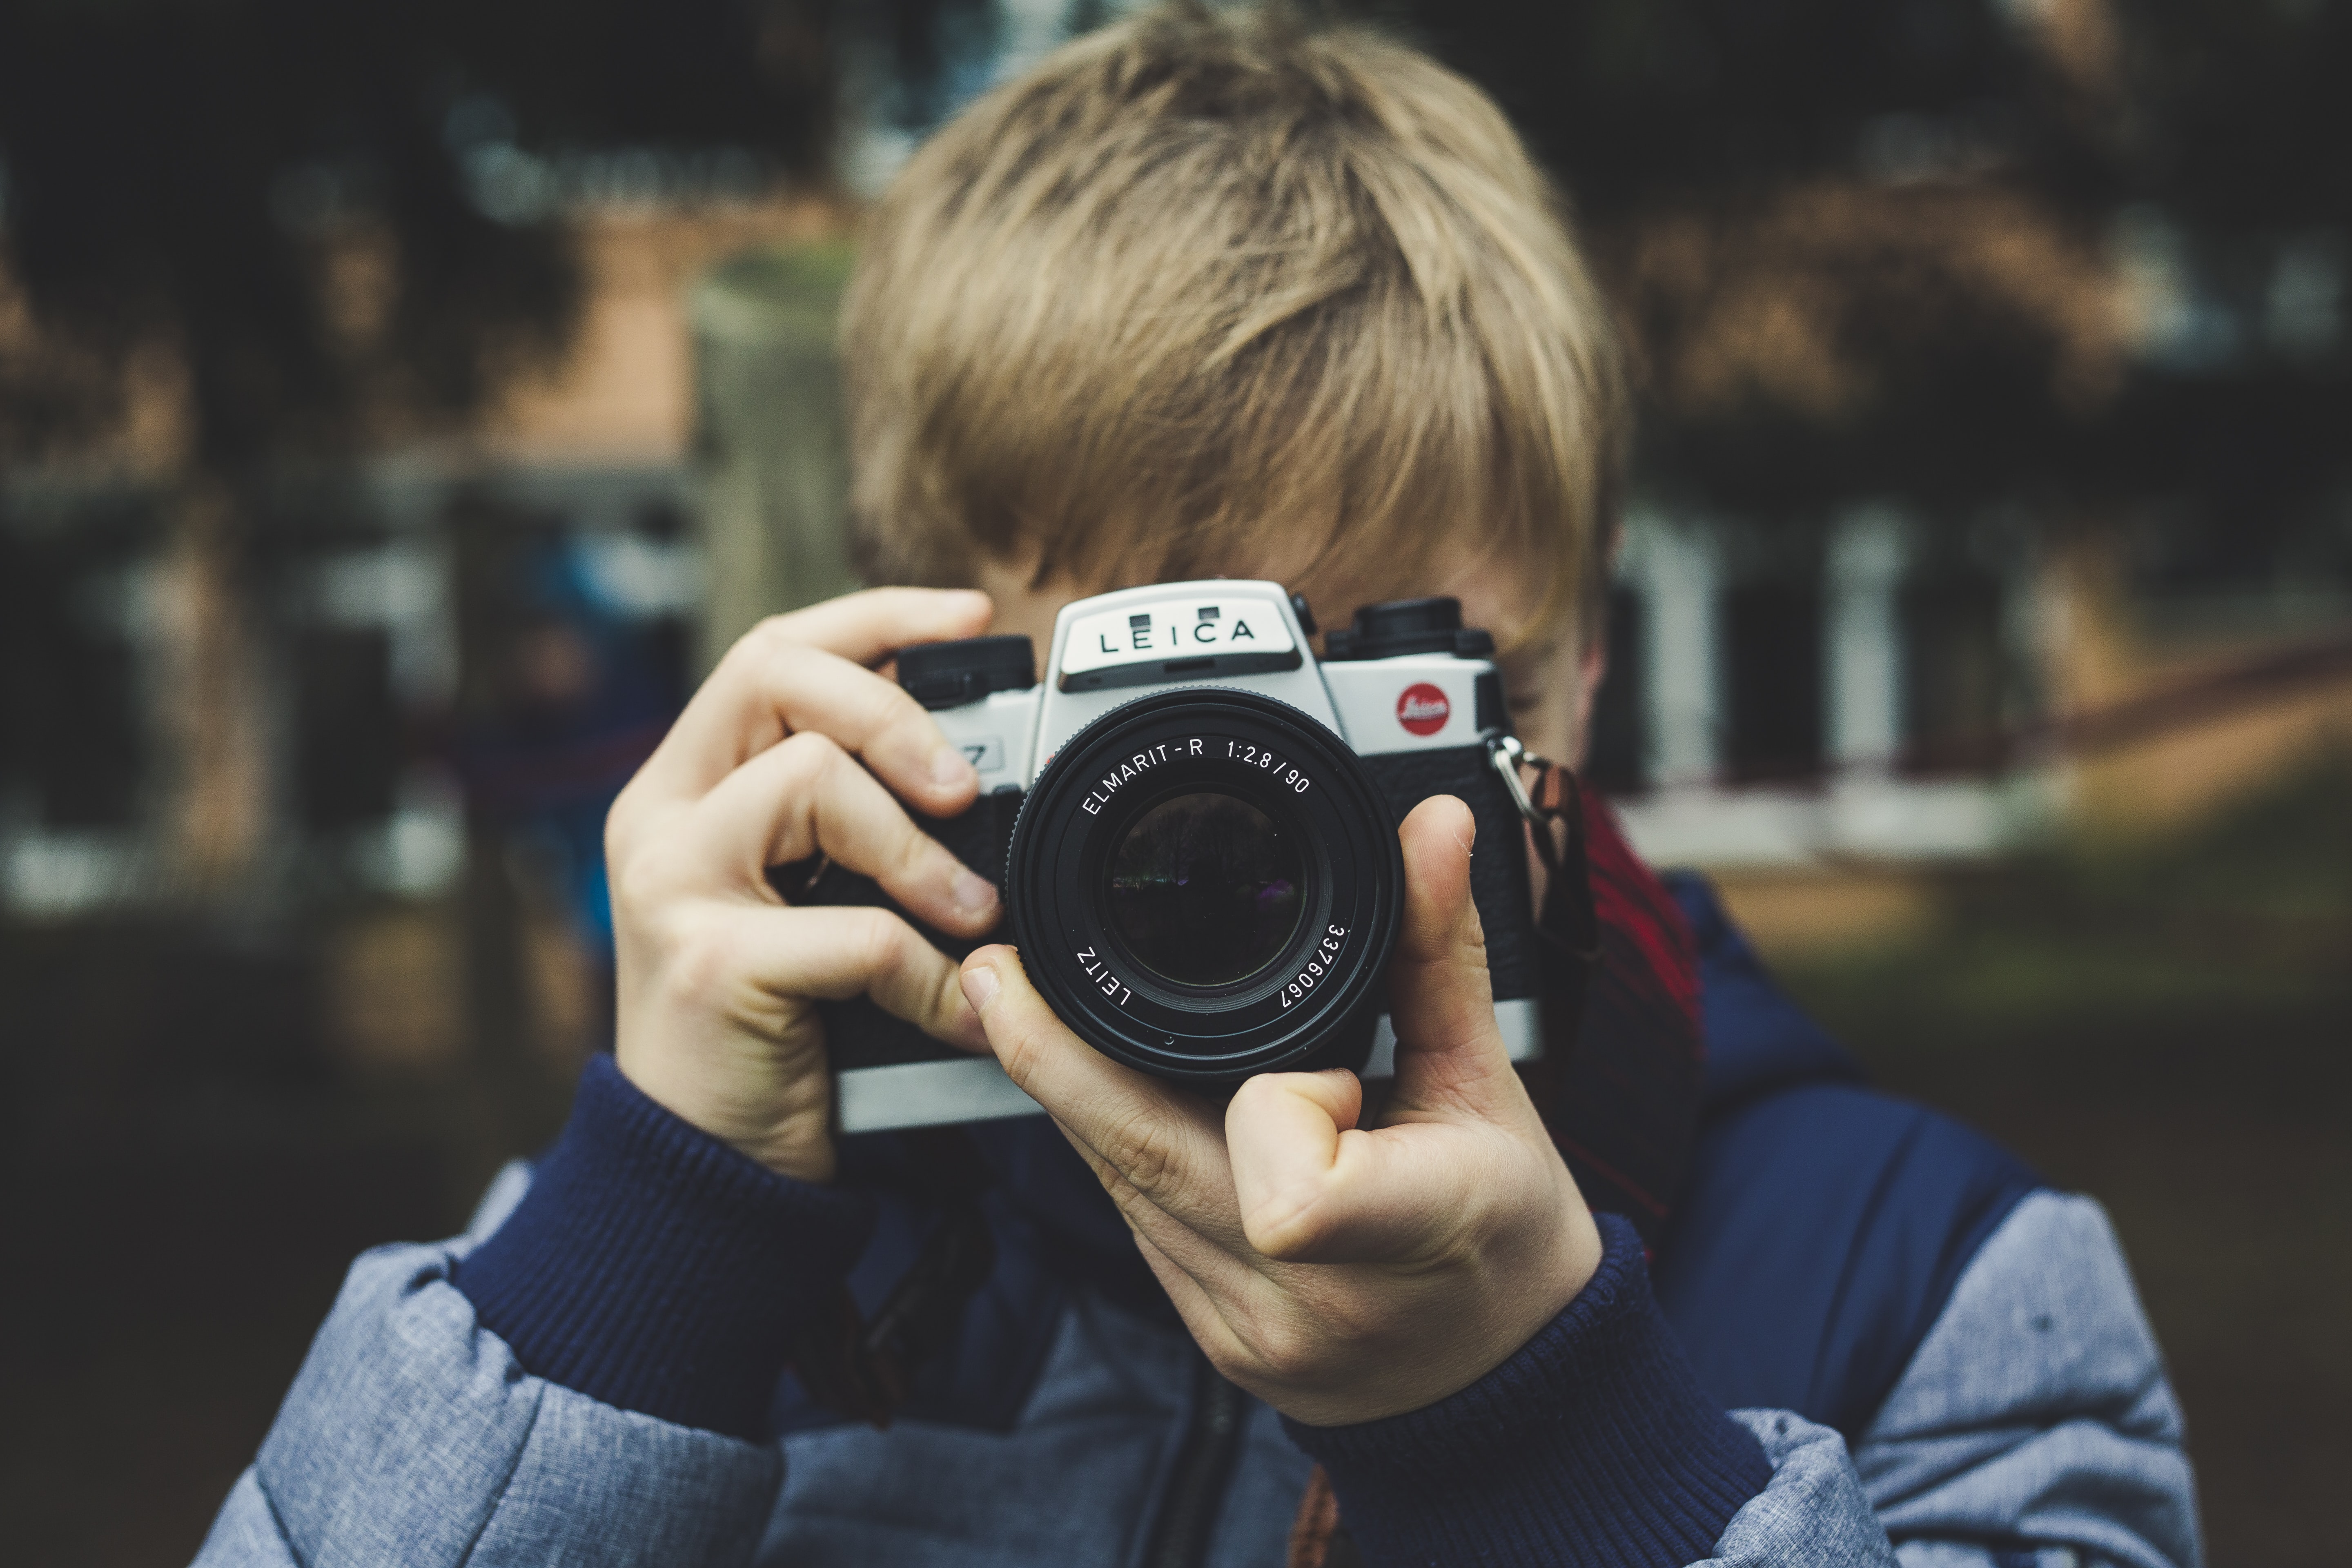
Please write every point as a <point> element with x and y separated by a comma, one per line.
<point>1193,824</point>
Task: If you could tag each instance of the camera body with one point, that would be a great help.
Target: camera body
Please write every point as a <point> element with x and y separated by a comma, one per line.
<point>1193,824</point>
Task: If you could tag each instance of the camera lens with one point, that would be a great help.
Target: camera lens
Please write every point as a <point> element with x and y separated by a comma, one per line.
<point>1204,888</point>
<point>1204,884</point>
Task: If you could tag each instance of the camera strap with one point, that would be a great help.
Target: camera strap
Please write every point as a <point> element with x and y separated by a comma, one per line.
<point>1555,799</point>
<point>1568,927</point>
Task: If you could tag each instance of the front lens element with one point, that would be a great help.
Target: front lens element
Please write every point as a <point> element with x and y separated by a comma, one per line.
<point>1205,888</point>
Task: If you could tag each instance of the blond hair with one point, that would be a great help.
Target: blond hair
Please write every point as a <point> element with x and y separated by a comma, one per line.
<point>1198,276</point>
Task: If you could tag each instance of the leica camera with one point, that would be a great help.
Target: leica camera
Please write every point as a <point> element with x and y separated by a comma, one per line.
<point>1193,824</point>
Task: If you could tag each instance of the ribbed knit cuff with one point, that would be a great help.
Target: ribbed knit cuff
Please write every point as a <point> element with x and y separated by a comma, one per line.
<point>655,1268</point>
<point>1593,1446</point>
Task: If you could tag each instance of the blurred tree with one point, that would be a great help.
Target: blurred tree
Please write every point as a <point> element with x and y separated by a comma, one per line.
<point>1884,247</point>
<point>198,177</point>
<point>2231,121</point>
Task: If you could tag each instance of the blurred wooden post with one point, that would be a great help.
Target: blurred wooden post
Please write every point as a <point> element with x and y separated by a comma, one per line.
<point>771,445</point>
<point>210,695</point>
<point>510,1103</point>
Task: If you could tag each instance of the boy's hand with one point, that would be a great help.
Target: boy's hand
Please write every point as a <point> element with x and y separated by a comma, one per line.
<point>718,977</point>
<point>1341,1273</point>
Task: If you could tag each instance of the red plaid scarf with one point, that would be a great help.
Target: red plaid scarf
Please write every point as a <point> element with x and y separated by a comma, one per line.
<point>1620,1083</point>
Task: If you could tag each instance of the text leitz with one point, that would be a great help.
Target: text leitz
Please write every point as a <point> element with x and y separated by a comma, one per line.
<point>1100,973</point>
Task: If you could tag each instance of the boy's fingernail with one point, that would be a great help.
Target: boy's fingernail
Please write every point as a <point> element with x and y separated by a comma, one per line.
<point>979,987</point>
<point>948,768</point>
<point>972,893</point>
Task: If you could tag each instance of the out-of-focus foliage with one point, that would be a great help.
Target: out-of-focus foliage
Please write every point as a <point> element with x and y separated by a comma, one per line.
<point>1867,247</point>
<point>2236,113</point>
<point>1873,245</point>
<point>327,214</point>
<point>1637,101</point>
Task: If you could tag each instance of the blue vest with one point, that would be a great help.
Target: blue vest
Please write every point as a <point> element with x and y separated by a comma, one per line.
<point>1822,1225</point>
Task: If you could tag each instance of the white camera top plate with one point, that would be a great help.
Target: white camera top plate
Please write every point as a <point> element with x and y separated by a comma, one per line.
<point>1107,649</point>
<point>1172,630</point>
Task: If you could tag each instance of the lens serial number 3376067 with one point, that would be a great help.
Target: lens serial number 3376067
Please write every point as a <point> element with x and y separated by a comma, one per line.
<point>1296,988</point>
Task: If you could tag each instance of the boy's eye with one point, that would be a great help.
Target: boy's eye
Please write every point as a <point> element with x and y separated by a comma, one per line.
<point>1523,686</point>
<point>1525,700</point>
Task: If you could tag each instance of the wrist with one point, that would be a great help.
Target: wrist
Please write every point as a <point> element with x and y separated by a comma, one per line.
<point>1592,1445</point>
<point>778,1115</point>
<point>656,1269</point>
<point>1520,1292</point>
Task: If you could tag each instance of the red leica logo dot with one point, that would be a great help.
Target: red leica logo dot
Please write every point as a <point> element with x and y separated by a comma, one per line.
<point>1423,709</point>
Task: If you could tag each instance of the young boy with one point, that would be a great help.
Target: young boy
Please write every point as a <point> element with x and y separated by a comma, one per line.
<point>1213,296</point>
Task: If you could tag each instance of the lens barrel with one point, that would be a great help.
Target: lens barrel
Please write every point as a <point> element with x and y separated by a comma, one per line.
<point>1204,884</point>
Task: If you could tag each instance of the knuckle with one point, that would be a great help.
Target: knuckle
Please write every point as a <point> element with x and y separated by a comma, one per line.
<point>1265,1089</point>
<point>1136,1141</point>
<point>885,944</point>
<point>701,959</point>
<point>752,653</point>
<point>915,853</point>
<point>811,761</point>
<point>1285,1350</point>
<point>947,995</point>
<point>1016,1052</point>
<point>771,634</point>
<point>1350,1317</point>
<point>1470,939</point>
<point>1287,1225</point>
<point>889,711</point>
<point>813,751</point>
<point>620,823</point>
<point>778,665</point>
<point>812,773</point>
<point>639,881</point>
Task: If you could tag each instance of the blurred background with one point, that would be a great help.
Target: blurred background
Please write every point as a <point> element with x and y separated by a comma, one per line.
<point>399,407</point>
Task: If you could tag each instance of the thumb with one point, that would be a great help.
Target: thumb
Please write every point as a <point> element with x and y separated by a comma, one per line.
<point>1451,1061</point>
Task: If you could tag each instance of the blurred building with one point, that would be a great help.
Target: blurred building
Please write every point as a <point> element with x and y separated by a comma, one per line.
<point>1862,683</point>
<point>374,605</point>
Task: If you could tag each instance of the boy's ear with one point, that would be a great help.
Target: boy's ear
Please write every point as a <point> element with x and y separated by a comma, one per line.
<point>1591,668</point>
